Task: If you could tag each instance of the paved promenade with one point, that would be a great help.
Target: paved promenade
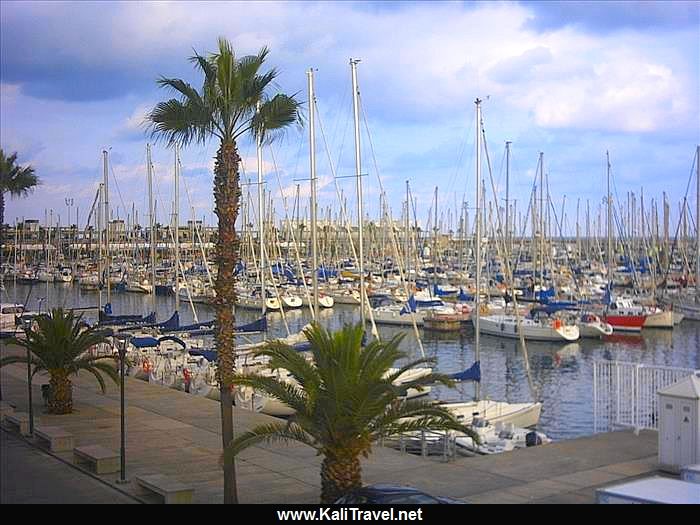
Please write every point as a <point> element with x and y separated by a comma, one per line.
<point>29,475</point>
<point>170,432</point>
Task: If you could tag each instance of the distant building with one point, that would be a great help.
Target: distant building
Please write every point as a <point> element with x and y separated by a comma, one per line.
<point>31,226</point>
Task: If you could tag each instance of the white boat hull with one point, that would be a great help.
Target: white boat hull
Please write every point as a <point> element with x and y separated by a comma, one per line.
<point>594,330</point>
<point>659,320</point>
<point>341,298</point>
<point>291,301</point>
<point>506,326</point>
<point>324,301</point>
<point>249,303</point>
<point>396,318</point>
<point>523,415</point>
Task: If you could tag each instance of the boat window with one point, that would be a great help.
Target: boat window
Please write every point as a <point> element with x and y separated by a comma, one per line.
<point>13,310</point>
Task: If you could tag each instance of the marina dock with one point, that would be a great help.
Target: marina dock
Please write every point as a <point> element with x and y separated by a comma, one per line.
<point>176,434</point>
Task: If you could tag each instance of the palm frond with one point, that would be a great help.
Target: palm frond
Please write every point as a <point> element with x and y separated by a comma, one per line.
<point>275,116</point>
<point>427,423</point>
<point>205,66</point>
<point>180,122</point>
<point>410,366</point>
<point>269,433</point>
<point>283,356</point>
<point>98,377</point>
<point>17,180</point>
<point>226,105</point>
<point>287,393</point>
<point>16,359</point>
<point>106,369</point>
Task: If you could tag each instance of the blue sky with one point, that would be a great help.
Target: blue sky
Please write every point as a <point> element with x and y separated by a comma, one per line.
<point>571,79</point>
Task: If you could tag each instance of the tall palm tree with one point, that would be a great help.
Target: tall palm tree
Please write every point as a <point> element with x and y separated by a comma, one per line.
<point>233,102</point>
<point>16,180</point>
<point>59,345</point>
<point>344,400</point>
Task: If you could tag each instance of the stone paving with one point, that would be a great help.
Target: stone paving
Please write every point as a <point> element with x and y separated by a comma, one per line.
<point>29,476</point>
<point>173,433</point>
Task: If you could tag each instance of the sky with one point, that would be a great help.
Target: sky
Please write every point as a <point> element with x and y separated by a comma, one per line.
<point>569,79</point>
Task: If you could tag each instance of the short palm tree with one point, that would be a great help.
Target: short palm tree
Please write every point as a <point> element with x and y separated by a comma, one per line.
<point>233,102</point>
<point>345,399</point>
<point>59,345</point>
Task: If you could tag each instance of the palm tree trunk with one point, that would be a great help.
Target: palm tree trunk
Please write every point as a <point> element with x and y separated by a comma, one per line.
<point>339,476</point>
<point>227,194</point>
<point>61,397</point>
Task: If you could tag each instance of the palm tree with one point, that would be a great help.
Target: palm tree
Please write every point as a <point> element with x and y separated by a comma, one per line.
<point>16,180</point>
<point>59,345</point>
<point>344,400</point>
<point>232,103</point>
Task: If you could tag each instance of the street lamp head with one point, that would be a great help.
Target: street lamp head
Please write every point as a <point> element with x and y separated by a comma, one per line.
<point>121,342</point>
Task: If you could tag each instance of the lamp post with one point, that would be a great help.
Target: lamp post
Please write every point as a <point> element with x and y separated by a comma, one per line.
<point>27,326</point>
<point>122,340</point>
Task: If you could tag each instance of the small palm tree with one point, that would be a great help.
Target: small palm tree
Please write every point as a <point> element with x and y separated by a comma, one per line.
<point>234,102</point>
<point>16,180</point>
<point>344,401</point>
<point>59,345</point>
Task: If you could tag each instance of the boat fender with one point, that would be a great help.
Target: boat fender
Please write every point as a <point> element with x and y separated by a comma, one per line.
<point>532,439</point>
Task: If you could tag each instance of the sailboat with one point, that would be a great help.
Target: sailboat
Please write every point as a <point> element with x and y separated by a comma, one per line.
<point>533,328</point>
<point>621,313</point>
<point>519,414</point>
<point>249,398</point>
<point>689,305</point>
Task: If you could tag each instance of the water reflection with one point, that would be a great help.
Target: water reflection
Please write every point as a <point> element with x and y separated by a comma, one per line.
<point>562,375</point>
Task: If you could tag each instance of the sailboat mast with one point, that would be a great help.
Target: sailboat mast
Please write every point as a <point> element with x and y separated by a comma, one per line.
<point>509,247</point>
<point>697,223</point>
<point>406,235</point>
<point>261,212</point>
<point>477,294</point>
<point>610,244</point>
<point>100,268</point>
<point>541,223</point>
<point>312,166</point>
<point>358,174</point>
<point>151,229</point>
<point>105,196</point>
<point>588,230</point>
<point>436,229</point>
<point>176,228</point>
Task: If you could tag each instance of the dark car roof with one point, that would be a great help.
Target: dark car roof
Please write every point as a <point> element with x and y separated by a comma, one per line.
<point>386,488</point>
<point>383,491</point>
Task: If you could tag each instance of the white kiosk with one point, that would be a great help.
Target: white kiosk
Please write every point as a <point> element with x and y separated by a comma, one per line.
<point>679,424</point>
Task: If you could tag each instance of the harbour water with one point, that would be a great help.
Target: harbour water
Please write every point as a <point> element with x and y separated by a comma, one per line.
<point>561,375</point>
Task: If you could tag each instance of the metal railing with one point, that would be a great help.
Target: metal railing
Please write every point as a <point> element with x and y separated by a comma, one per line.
<point>425,443</point>
<point>624,394</point>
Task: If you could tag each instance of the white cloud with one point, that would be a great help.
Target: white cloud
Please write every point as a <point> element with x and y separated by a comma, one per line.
<point>422,66</point>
